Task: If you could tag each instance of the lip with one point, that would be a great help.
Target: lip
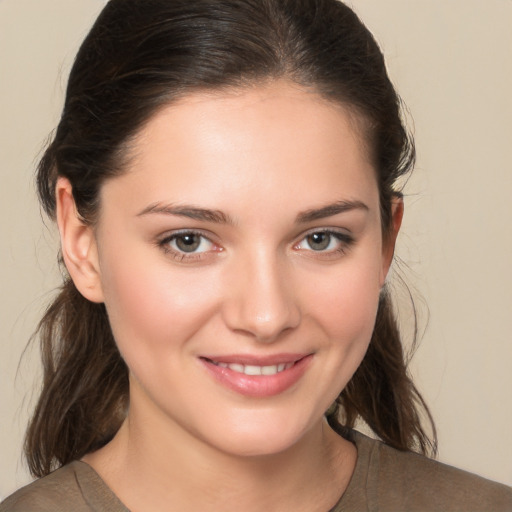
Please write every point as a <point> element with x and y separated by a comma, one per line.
<point>257,385</point>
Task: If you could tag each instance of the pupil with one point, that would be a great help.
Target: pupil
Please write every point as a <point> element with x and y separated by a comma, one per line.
<point>319,241</point>
<point>188,243</point>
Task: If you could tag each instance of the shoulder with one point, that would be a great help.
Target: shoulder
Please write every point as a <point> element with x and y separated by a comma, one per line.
<point>396,480</point>
<point>48,493</point>
<point>75,486</point>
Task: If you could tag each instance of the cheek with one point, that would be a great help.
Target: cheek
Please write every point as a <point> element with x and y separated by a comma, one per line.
<point>345,308</point>
<point>151,308</point>
<point>346,303</point>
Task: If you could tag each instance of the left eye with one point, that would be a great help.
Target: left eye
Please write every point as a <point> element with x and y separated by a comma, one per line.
<point>189,243</point>
<point>323,241</point>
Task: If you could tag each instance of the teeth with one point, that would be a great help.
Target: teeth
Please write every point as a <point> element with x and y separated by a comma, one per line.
<point>268,370</point>
<point>253,370</point>
<point>249,369</point>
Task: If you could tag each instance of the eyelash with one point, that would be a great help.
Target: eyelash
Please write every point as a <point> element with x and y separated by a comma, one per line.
<point>345,241</point>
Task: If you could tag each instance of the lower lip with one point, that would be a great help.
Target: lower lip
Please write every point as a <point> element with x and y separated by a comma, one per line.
<point>258,385</point>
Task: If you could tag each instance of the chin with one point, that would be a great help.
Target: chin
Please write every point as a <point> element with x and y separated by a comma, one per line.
<point>262,435</point>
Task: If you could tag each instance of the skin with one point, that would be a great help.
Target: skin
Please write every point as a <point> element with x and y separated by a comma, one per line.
<point>262,159</point>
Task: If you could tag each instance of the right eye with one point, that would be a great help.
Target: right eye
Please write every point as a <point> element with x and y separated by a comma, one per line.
<point>187,244</point>
<point>190,243</point>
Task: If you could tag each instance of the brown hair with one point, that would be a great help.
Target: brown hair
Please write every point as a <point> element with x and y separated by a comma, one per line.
<point>141,55</point>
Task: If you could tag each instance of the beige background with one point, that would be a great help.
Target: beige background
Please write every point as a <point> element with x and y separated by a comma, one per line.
<point>451,61</point>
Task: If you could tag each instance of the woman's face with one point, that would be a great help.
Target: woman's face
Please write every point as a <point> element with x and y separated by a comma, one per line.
<point>241,260</point>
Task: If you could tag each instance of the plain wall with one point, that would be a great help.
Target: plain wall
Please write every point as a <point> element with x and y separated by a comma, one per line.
<point>451,62</point>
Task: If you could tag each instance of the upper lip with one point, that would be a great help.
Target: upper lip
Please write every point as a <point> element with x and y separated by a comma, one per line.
<point>253,360</point>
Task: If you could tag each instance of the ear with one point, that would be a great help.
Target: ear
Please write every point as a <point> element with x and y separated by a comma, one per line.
<point>78,244</point>
<point>388,248</point>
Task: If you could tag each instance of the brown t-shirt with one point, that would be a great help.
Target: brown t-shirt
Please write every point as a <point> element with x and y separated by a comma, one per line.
<point>384,480</point>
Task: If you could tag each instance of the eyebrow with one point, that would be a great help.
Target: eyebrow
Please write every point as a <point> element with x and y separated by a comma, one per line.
<point>189,211</point>
<point>219,217</point>
<point>329,210</point>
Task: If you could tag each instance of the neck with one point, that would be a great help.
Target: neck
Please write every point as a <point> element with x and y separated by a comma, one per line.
<point>151,468</point>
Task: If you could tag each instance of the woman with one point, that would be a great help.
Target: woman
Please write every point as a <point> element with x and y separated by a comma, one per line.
<point>224,181</point>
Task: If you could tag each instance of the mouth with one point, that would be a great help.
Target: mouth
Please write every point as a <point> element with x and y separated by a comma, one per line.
<point>258,377</point>
<point>250,369</point>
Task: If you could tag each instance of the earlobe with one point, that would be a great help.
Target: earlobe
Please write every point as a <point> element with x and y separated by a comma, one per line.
<point>397,213</point>
<point>78,244</point>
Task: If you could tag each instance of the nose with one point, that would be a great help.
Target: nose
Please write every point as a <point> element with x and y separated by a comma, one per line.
<point>261,302</point>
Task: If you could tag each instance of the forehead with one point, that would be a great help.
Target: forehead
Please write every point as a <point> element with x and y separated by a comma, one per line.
<point>248,144</point>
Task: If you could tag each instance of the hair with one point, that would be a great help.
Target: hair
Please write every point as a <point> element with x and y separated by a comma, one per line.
<point>141,55</point>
